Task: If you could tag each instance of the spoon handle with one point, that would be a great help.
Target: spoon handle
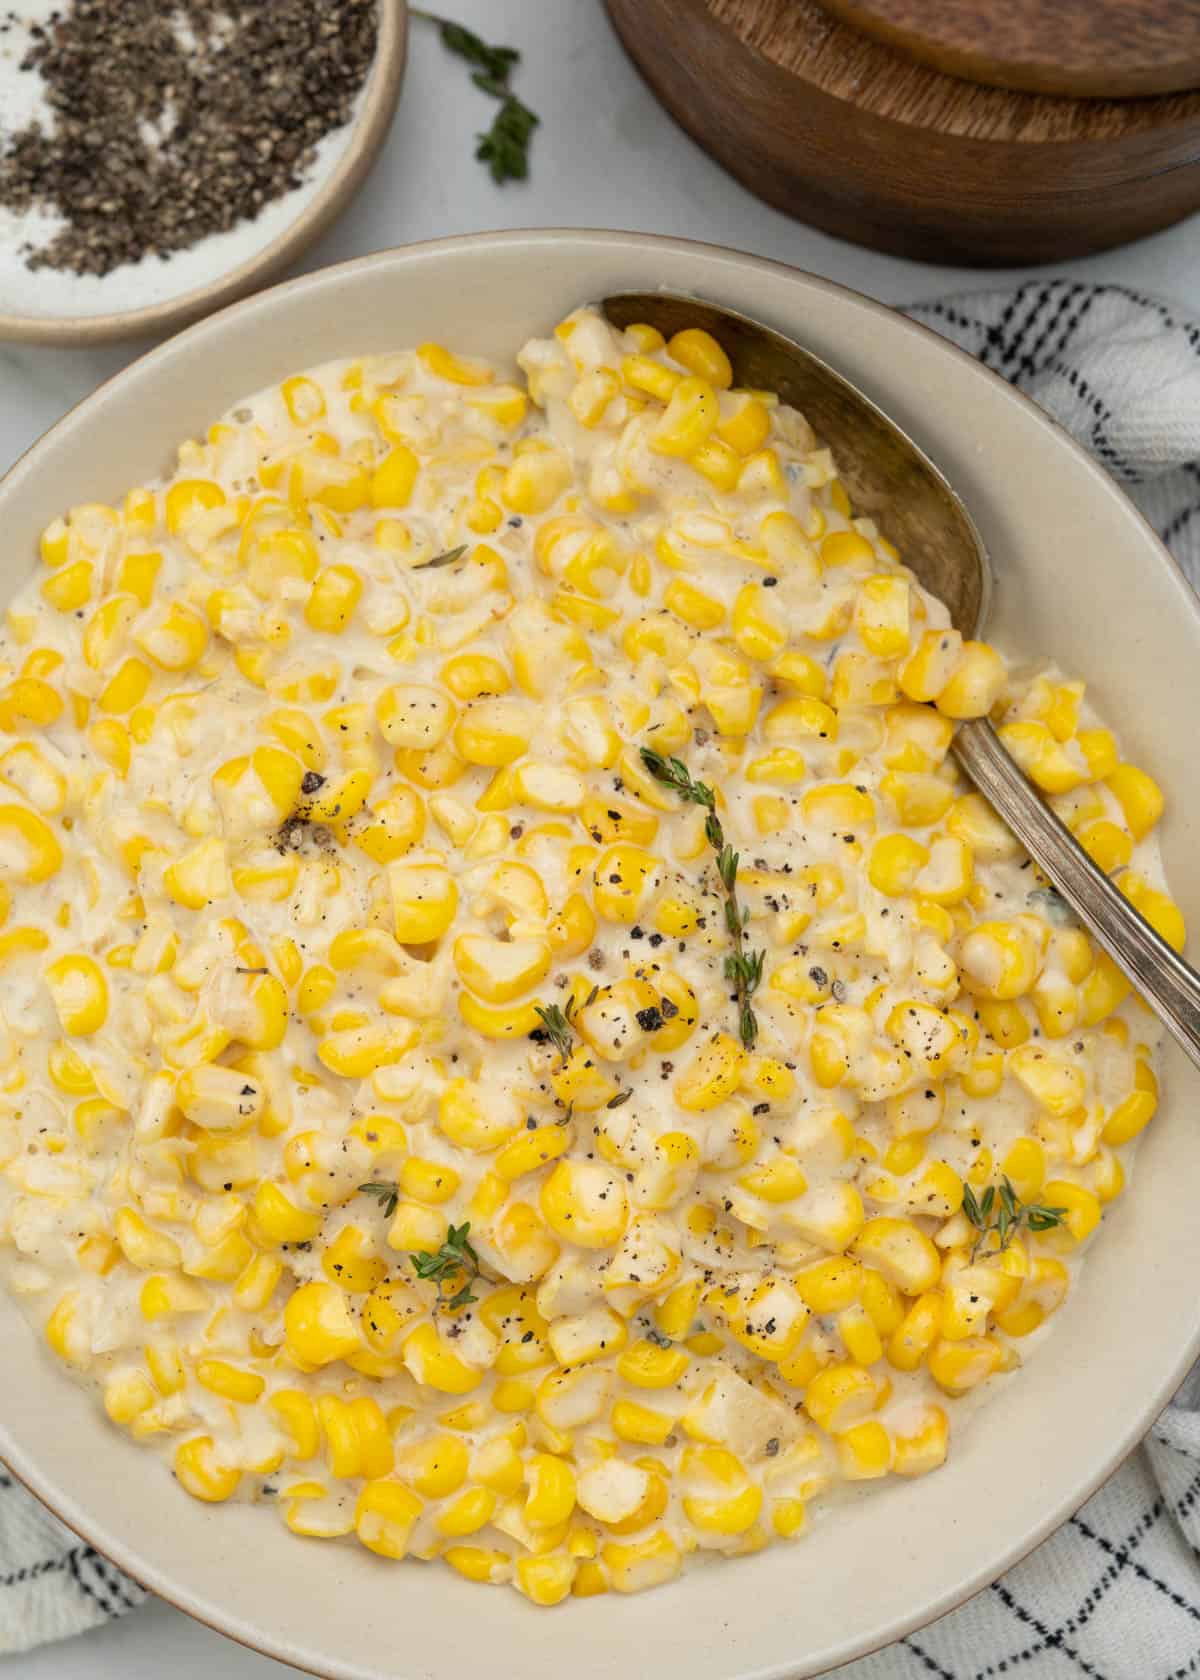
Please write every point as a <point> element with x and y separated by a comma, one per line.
<point>1170,986</point>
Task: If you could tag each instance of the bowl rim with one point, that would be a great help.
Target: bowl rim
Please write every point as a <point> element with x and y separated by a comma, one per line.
<point>368,131</point>
<point>141,1568</point>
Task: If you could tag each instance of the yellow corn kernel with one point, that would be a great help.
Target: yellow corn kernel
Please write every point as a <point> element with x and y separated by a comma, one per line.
<point>199,1469</point>
<point>297,1416</point>
<point>231,1382</point>
<point>959,1366</point>
<point>1139,797</point>
<point>29,850</point>
<point>922,1446</point>
<point>901,1251</point>
<point>142,1245</point>
<point>747,426</point>
<point>175,640</point>
<point>69,589</point>
<point>642,1564</point>
<point>80,994</point>
<point>692,412</point>
<point>1002,959</point>
<point>895,862</point>
<point>584,1203</point>
<point>712,1075</point>
<point>1135,1111</point>
<point>699,352</point>
<point>424,901</point>
<point>536,479</point>
<point>645,1364</point>
<point>841,1396</point>
<point>385,1516</point>
<point>931,664</point>
<point>393,480</point>
<point>976,683</point>
<point>335,593</point>
<point>318,1325</point>
<point>357,1052</point>
<point>220,1099</point>
<point>514,1020</point>
<point>433,1363</point>
<point>838,806</point>
<point>882,615</point>
<point>545,1580</point>
<point>693,605</point>
<point>1163,914</point>
<point>127,1394</point>
<point>865,1451</point>
<point>641,1425</point>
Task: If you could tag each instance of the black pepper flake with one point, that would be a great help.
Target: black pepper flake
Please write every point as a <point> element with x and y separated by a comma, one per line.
<point>162,136</point>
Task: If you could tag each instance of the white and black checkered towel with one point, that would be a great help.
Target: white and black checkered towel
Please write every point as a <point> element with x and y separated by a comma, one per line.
<point>1115,1594</point>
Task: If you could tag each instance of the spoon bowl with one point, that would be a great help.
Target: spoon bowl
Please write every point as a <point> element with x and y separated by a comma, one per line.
<point>889,478</point>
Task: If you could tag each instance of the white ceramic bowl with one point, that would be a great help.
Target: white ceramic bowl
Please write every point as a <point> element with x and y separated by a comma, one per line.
<point>1079,575</point>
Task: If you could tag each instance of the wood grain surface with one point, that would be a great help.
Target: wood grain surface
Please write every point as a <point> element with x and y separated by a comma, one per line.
<point>1100,49</point>
<point>845,132</point>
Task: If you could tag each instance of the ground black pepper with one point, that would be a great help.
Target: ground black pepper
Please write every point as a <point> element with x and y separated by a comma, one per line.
<point>174,122</point>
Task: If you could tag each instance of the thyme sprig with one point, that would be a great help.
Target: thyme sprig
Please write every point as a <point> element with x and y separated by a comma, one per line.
<point>743,968</point>
<point>999,1214</point>
<point>456,1260</point>
<point>386,1194</point>
<point>505,146</point>
<point>559,1024</point>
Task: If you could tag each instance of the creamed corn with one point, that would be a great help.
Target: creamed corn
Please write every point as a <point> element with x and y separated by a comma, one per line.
<point>320,780</point>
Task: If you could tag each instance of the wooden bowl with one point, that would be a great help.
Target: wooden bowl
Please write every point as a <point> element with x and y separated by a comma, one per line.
<point>369,128</point>
<point>845,132</point>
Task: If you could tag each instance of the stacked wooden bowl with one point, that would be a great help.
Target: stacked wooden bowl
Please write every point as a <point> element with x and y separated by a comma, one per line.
<point>960,131</point>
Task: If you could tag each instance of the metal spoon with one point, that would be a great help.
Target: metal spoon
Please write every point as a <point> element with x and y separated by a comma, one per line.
<point>891,480</point>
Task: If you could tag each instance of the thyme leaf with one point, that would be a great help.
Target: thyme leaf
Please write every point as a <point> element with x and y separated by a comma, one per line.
<point>386,1194</point>
<point>998,1215</point>
<point>454,1263</point>
<point>743,968</point>
<point>446,559</point>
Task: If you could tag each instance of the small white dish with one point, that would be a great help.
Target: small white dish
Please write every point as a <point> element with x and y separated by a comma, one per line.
<point>156,297</point>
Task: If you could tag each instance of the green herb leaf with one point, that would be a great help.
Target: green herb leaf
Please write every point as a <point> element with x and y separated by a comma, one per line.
<point>493,61</point>
<point>558,1026</point>
<point>387,1195</point>
<point>1010,1215</point>
<point>446,559</point>
<point>454,1264</point>
<point>505,146</point>
<point>743,968</point>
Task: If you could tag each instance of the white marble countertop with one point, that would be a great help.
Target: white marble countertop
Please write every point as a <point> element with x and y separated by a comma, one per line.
<point>605,156</point>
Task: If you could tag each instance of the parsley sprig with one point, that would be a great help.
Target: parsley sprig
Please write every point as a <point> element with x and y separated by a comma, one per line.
<point>505,146</point>
<point>999,1215</point>
<point>743,968</point>
<point>456,1262</point>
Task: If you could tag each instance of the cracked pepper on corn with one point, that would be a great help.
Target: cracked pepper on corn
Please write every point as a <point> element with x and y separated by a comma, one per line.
<point>320,776</point>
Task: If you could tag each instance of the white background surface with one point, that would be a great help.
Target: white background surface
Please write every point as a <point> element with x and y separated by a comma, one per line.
<point>605,156</point>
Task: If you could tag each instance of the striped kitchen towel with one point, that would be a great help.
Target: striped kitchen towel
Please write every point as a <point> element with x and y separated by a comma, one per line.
<point>1115,1594</point>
